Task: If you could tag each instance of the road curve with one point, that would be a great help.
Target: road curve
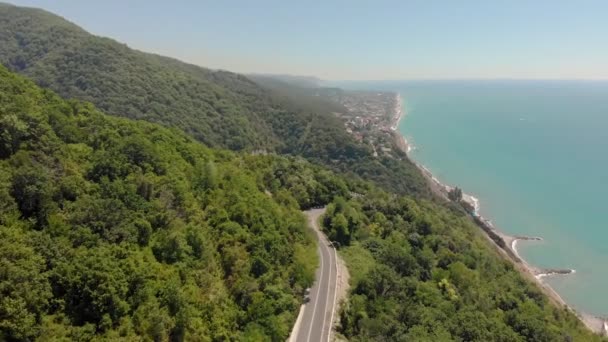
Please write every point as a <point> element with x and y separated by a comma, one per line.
<point>318,314</point>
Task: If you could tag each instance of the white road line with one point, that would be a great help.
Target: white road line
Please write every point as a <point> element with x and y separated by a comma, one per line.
<point>296,327</point>
<point>314,308</point>
<point>333,308</point>
<point>328,290</point>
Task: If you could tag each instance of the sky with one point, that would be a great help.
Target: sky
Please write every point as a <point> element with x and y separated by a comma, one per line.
<point>361,40</point>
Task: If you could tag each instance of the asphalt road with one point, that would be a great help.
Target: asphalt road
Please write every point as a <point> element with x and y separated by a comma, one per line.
<point>318,314</point>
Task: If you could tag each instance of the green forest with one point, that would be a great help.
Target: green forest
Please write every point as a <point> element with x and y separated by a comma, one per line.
<point>112,228</point>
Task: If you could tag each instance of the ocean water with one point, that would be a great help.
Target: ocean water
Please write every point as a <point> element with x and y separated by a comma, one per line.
<point>535,153</point>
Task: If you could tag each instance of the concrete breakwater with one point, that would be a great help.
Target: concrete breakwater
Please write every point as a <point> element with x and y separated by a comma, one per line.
<point>509,245</point>
<point>529,238</point>
<point>546,272</point>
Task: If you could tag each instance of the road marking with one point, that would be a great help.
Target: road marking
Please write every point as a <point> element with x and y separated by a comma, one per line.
<point>328,290</point>
<point>293,337</point>
<point>333,308</point>
<point>314,308</point>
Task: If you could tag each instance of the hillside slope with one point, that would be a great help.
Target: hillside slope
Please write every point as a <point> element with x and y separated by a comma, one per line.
<point>126,82</point>
<point>218,108</point>
<point>113,228</point>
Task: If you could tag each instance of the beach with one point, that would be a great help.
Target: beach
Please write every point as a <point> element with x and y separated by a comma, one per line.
<point>505,244</point>
<point>398,115</point>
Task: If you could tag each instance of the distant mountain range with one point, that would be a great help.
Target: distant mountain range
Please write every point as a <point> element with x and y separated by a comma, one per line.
<point>296,80</point>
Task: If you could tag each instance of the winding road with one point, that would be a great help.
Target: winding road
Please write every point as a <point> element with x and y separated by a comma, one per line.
<point>316,318</point>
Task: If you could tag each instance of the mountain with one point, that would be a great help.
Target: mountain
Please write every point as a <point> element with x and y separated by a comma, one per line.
<point>62,56</point>
<point>218,108</point>
<point>300,81</point>
<point>305,96</point>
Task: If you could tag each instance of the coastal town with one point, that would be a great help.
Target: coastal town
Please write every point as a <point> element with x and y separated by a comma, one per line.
<point>372,118</point>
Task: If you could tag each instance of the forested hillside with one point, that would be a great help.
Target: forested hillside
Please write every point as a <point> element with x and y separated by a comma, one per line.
<point>125,82</point>
<point>112,228</point>
<point>421,273</point>
<point>218,108</point>
<point>117,229</point>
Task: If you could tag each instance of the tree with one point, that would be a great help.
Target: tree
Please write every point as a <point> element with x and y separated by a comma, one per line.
<point>24,287</point>
<point>339,229</point>
<point>455,195</point>
<point>207,176</point>
<point>32,191</point>
<point>12,132</point>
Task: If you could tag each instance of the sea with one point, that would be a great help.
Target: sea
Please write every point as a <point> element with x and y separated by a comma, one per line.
<point>535,154</point>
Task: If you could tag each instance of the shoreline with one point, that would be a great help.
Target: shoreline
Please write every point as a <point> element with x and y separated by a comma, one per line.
<point>398,115</point>
<point>398,112</point>
<point>505,244</point>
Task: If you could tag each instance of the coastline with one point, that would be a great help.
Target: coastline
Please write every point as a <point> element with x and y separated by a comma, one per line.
<point>505,244</point>
<point>398,115</point>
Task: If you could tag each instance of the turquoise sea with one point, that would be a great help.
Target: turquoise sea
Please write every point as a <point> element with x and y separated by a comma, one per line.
<point>536,155</point>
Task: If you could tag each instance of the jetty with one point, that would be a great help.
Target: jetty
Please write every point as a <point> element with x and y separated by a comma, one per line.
<point>545,272</point>
<point>529,238</point>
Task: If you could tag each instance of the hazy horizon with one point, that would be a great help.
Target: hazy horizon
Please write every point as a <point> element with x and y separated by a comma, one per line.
<point>353,41</point>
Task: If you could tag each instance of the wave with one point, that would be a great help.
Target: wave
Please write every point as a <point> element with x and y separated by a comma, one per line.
<point>514,248</point>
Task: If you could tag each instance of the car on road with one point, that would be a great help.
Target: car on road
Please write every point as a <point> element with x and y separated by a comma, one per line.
<point>307,295</point>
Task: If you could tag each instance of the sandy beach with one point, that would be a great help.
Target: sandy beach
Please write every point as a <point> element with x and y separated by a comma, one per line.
<point>505,244</point>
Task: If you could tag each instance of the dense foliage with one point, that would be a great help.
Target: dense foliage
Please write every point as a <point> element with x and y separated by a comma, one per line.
<point>115,229</point>
<point>218,108</point>
<point>125,82</point>
<point>111,228</point>
<point>422,273</point>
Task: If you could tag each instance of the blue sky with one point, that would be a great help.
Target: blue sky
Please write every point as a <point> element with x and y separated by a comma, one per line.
<point>524,39</point>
